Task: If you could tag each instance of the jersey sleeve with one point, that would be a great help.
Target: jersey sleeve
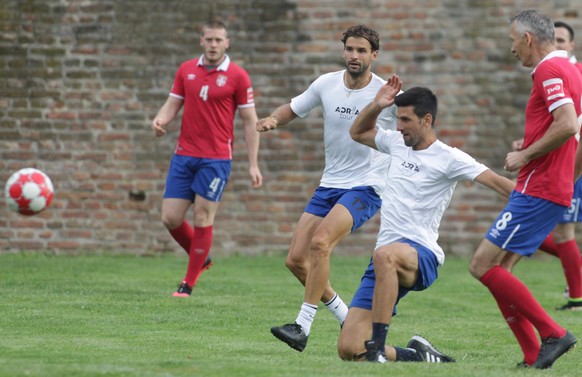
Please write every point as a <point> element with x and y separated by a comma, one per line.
<point>463,167</point>
<point>177,90</point>
<point>308,100</point>
<point>244,92</point>
<point>387,119</point>
<point>550,81</point>
<point>384,140</point>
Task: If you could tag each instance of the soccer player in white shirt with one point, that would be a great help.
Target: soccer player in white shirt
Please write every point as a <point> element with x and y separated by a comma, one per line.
<point>353,178</point>
<point>422,177</point>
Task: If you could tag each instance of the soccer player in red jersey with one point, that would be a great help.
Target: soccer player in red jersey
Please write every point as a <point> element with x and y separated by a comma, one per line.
<point>543,191</point>
<point>211,89</point>
<point>562,241</point>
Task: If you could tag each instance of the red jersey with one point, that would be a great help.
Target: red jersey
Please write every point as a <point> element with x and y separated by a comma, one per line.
<point>556,82</point>
<point>211,99</point>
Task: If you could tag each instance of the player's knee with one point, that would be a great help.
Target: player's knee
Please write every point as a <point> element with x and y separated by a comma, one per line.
<point>296,265</point>
<point>563,233</point>
<point>475,268</point>
<point>320,245</point>
<point>507,266</point>
<point>344,354</point>
<point>203,218</point>
<point>346,350</point>
<point>384,258</point>
<point>171,221</point>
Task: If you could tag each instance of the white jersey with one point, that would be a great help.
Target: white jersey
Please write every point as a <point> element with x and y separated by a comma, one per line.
<point>347,163</point>
<point>421,186</point>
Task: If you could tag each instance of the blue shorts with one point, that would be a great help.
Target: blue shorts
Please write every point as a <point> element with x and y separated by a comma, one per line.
<point>191,176</point>
<point>524,223</point>
<point>573,213</point>
<point>361,201</point>
<point>427,274</point>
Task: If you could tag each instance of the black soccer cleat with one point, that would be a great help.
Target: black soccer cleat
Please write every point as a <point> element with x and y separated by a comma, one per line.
<point>207,264</point>
<point>427,352</point>
<point>292,334</point>
<point>552,349</point>
<point>184,290</point>
<point>571,306</point>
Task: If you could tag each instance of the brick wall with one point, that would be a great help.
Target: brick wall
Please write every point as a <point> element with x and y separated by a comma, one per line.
<point>81,79</point>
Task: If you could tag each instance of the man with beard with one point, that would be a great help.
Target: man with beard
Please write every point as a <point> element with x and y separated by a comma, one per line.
<point>353,178</point>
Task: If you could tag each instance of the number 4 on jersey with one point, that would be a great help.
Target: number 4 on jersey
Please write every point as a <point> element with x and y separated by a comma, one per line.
<point>204,92</point>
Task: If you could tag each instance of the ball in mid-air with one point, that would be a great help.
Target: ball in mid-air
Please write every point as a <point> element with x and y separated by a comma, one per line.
<point>29,191</point>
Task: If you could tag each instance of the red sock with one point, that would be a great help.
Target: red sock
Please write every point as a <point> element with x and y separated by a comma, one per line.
<point>183,235</point>
<point>508,289</point>
<point>199,251</point>
<point>549,246</point>
<point>572,263</point>
<point>524,332</point>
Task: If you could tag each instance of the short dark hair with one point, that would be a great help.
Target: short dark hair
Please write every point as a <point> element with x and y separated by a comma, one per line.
<point>213,25</point>
<point>363,31</point>
<point>565,26</point>
<point>422,100</point>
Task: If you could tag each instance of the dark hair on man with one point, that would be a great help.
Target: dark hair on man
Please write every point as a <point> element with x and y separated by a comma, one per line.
<point>536,23</point>
<point>422,100</point>
<point>565,26</point>
<point>213,25</point>
<point>363,31</point>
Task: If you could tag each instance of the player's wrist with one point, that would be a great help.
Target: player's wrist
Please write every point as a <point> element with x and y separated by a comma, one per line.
<point>275,119</point>
<point>377,107</point>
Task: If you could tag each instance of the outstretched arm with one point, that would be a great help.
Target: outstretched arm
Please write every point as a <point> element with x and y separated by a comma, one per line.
<point>279,117</point>
<point>363,129</point>
<point>494,181</point>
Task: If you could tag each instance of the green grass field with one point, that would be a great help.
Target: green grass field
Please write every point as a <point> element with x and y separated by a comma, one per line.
<point>114,316</point>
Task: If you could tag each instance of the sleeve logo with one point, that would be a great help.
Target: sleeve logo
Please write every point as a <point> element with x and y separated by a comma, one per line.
<point>554,89</point>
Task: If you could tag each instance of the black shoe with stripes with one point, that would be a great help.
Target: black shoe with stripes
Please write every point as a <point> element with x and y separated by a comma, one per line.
<point>427,352</point>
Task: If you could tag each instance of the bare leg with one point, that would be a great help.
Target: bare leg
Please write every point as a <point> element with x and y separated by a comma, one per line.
<point>336,225</point>
<point>356,330</point>
<point>298,261</point>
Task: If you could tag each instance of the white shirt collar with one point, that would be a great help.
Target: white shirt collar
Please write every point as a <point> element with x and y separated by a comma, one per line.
<point>553,54</point>
<point>222,67</point>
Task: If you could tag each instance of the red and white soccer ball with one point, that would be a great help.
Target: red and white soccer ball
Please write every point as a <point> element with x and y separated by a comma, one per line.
<point>29,191</point>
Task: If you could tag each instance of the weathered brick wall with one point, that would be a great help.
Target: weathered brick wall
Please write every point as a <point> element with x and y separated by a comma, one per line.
<point>81,79</point>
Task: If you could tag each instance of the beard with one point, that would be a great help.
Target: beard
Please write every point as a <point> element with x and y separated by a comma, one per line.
<point>356,72</point>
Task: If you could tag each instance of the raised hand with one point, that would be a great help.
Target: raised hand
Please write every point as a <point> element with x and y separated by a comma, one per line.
<point>386,94</point>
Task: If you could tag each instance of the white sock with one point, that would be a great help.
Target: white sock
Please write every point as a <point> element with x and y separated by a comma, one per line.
<point>338,308</point>
<point>305,317</point>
